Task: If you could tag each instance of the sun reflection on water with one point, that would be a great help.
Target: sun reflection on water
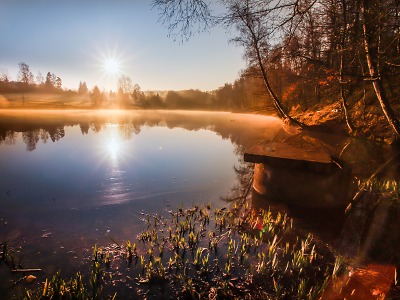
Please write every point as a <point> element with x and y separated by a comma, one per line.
<point>113,148</point>
<point>115,151</point>
<point>113,145</point>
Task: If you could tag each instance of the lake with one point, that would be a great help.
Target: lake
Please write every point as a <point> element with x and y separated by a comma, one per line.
<point>73,179</point>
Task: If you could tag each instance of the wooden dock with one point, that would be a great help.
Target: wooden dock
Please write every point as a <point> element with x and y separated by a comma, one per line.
<point>298,174</point>
<point>290,156</point>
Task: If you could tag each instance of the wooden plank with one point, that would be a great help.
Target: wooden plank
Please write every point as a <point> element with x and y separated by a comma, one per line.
<point>290,156</point>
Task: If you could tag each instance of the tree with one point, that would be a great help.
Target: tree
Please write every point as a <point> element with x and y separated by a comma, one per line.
<point>125,84</point>
<point>4,76</point>
<point>126,89</point>
<point>342,61</point>
<point>4,80</point>
<point>54,80</point>
<point>39,78</point>
<point>58,83</point>
<point>136,92</point>
<point>258,23</point>
<point>225,96</point>
<point>83,89</point>
<point>49,81</point>
<point>25,75</point>
<point>185,17</point>
<point>255,37</point>
<point>174,100</point>
<point>372,12</point>
<point>303,46</point>
<point>96,96</point>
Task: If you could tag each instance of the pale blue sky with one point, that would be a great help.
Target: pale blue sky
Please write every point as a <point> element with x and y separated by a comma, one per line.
<point>73,38</point>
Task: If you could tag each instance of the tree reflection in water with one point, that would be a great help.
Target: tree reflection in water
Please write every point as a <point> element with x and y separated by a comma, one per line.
<point>241,129</point>
<point>368,234</point>
<point>363,156</point>
<point>325,223</point>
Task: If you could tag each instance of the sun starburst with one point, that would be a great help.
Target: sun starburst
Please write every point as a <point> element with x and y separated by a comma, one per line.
<point>112,65</point>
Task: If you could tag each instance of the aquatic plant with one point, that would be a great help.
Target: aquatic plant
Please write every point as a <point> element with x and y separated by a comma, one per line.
<point>197,252</point>
<point>57,288</point>
<point>388,187</point>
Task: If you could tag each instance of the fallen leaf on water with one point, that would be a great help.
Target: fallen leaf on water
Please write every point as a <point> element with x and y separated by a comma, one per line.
<point>45,235</point>
<point>30,279</point>
<point>376,292</point>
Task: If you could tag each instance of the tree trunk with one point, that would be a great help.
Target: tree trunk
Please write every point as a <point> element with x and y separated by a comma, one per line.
<point>371,54</point>
<point>341,57</point>
<point>275,99</point>
<point>344,102</point>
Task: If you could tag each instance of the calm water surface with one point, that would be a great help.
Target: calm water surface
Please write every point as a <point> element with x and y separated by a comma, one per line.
<point>72,179</point>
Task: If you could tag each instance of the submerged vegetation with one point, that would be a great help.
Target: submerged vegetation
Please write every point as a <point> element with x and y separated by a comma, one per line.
<point>202,252</point>
<point>332,63</point>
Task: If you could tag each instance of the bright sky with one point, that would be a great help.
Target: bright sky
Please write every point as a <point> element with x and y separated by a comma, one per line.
<point>96,41</point>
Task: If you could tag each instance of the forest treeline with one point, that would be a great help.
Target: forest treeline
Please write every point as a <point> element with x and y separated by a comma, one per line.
<point>308,61</point>
<point>33,128</point>
<point>309,54</point>
<point>241,95</point>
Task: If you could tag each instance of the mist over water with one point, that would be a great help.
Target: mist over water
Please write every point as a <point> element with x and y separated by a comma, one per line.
<point>71,179</point>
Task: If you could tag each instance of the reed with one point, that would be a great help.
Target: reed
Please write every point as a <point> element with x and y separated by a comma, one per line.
<point>198,252</point>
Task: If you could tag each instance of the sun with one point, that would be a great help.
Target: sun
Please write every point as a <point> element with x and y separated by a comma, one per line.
<point>112,66</point>
<point>111,62</point>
